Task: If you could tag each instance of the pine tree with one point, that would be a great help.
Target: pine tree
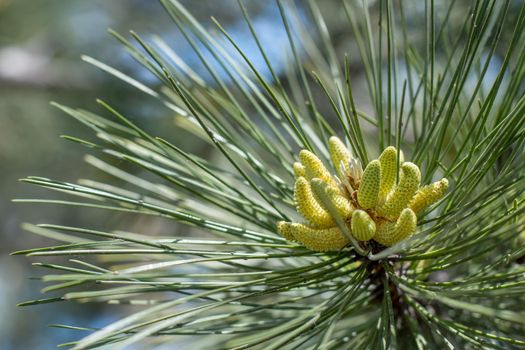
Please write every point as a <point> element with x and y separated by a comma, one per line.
<point>297,237</point>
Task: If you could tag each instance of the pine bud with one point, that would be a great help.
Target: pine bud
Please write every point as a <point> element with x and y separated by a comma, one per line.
<point>356,171</point>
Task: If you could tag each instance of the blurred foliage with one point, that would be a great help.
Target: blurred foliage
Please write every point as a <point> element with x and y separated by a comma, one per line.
<point>40,47</point>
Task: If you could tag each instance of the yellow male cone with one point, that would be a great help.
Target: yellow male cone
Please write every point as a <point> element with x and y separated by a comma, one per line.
<point>390,233</point>
<point>367,204</point>
<point>308,206</point>
<point>313,167</point>
<point>367,195</point>
<point>428,195</point>
<point>283,228</point>
<point>298,170</point>
<point>363,227</point>
<point>404,191</point>
<point>334,196</point>
<point>319,240</point>
<point>388,170</point>
<point>339,154</point>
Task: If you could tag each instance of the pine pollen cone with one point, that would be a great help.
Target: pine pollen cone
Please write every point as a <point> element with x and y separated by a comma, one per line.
<point>379,203</point>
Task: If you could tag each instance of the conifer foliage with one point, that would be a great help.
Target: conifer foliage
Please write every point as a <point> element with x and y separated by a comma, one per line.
<point>283,239</point>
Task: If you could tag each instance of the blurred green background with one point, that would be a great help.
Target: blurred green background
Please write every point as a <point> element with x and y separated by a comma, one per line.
<point>40,47</point>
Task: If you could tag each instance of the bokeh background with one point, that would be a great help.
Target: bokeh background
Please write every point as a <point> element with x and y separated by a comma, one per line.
<point>40,47</point>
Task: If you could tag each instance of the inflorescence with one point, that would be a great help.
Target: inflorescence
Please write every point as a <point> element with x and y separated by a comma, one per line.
<point>380,203</point>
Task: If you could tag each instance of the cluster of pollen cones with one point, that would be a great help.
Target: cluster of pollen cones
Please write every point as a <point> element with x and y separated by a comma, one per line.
<point>380,203</point>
